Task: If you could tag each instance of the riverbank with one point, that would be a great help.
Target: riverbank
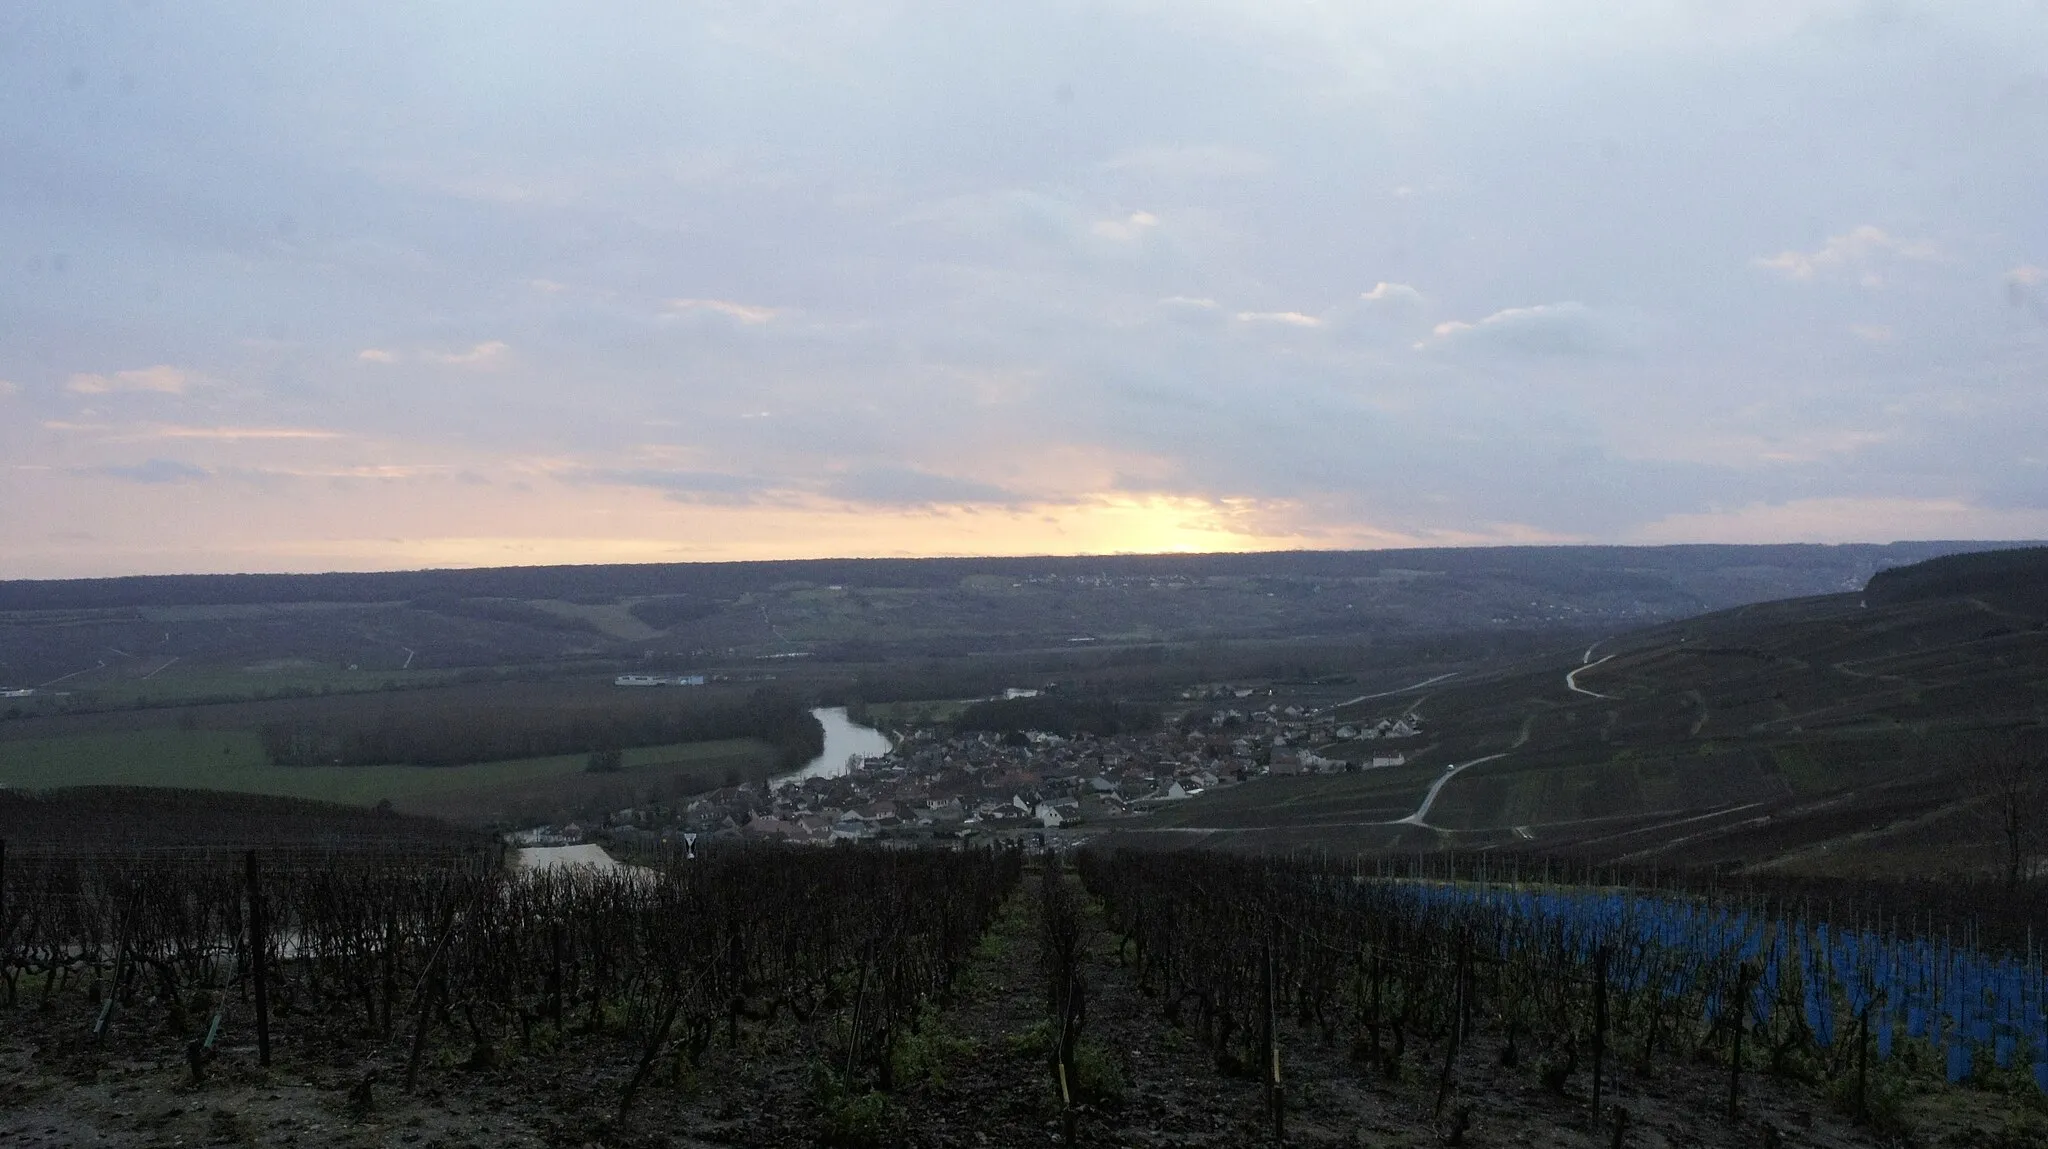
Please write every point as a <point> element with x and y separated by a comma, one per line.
<point>845,740</point>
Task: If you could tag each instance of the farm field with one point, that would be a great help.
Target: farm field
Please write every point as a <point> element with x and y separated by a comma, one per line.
<point>180,682</point>
<point>234,761</point>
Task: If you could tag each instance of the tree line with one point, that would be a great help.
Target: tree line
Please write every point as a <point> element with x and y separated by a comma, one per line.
<point>1058,714</point>
<point>453,735</point>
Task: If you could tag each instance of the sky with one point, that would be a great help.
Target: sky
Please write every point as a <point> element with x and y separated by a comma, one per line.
<point>289,286</point>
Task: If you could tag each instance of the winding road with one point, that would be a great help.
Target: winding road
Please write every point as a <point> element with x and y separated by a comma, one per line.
<point>1429,799</point>
<point>1571,680</point>
<point>1391,693</point>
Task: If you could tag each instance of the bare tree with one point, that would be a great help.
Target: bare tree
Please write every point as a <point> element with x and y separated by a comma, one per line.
<point>2008,772</point>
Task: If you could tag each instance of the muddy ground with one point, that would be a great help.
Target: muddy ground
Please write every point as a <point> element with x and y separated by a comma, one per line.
<point>978,1077</point>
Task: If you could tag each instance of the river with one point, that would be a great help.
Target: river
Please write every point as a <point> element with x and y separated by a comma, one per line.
<point>843,739</point>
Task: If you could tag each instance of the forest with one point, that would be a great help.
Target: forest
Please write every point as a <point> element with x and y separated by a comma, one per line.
<point>457,733</point>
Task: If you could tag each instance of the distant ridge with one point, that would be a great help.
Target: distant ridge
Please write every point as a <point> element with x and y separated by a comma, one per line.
<point>1563,563</point>
<point>2014,579</point>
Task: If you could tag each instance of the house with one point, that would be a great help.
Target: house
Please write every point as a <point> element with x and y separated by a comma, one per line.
<point>767,827</point>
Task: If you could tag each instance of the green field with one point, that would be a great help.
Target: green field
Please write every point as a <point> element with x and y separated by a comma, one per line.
<point>233,760</point>
<point>285,678</point>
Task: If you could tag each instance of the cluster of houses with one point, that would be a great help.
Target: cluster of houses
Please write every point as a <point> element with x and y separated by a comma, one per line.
<point>936,784</point>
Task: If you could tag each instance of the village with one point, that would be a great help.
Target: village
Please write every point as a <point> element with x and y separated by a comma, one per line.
<point>937,785</point>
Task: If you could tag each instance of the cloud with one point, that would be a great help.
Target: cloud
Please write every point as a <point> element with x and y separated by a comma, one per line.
<point>362,471</point>
<point>2026,286</point>
<point>482,355</point>
<point>1873,332</point>
<point>746,313</point>
<point>377,355</point>
<point>1392,294</point>
<point>683,486</point>
<point>1389,310</point>
<point>115,433</point>
<point>1856,252</point>
<point>7,388</point>
<point>1563,329</point>
<point>904,486</point>
<point>1846,519</point>
<point>1200,161</point>
<point>1193,312</point>
<point>162,379</point>
<point>154,471</point>
<point>1129,229</point>
<point>240,434</point>
<point>1285,318</point>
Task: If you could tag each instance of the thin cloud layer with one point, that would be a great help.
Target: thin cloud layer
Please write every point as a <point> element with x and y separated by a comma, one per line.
<point>1570,329</point>
<point>152,471</point>
<point>162,379</point>
<point>1859,254</point>
<point>483,283</point>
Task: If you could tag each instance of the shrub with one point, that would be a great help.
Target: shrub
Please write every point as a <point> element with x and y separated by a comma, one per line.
<point>849,1118</point>
<point>927,1050</point>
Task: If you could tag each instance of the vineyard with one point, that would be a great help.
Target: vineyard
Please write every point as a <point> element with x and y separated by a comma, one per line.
<point>411,964</point>
<point>861,996</point>
<point>1587,985</point>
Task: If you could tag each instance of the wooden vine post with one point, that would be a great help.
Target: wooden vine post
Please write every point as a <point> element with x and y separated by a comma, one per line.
<point>1459,976</point>
<point>259,960</point>
<point>1742,980</point>
<point>1276,1102</point>
<point>1863,1061</point>
<point>423,998</point>
<point>554,986</point>
<point>1599,1024</point>
<point>6,934</point>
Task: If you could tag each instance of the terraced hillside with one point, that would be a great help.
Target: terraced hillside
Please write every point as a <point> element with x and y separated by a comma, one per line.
<point>1824,734</point>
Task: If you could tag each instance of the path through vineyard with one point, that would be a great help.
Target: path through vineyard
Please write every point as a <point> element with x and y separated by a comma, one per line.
<point>1002,1091</point>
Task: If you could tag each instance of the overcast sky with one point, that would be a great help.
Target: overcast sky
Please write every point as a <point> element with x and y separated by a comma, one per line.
<point>292,286</point>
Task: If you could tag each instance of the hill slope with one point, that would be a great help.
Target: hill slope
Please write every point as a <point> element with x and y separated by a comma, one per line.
<point>1823,734</point>
<point>224,636</point>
